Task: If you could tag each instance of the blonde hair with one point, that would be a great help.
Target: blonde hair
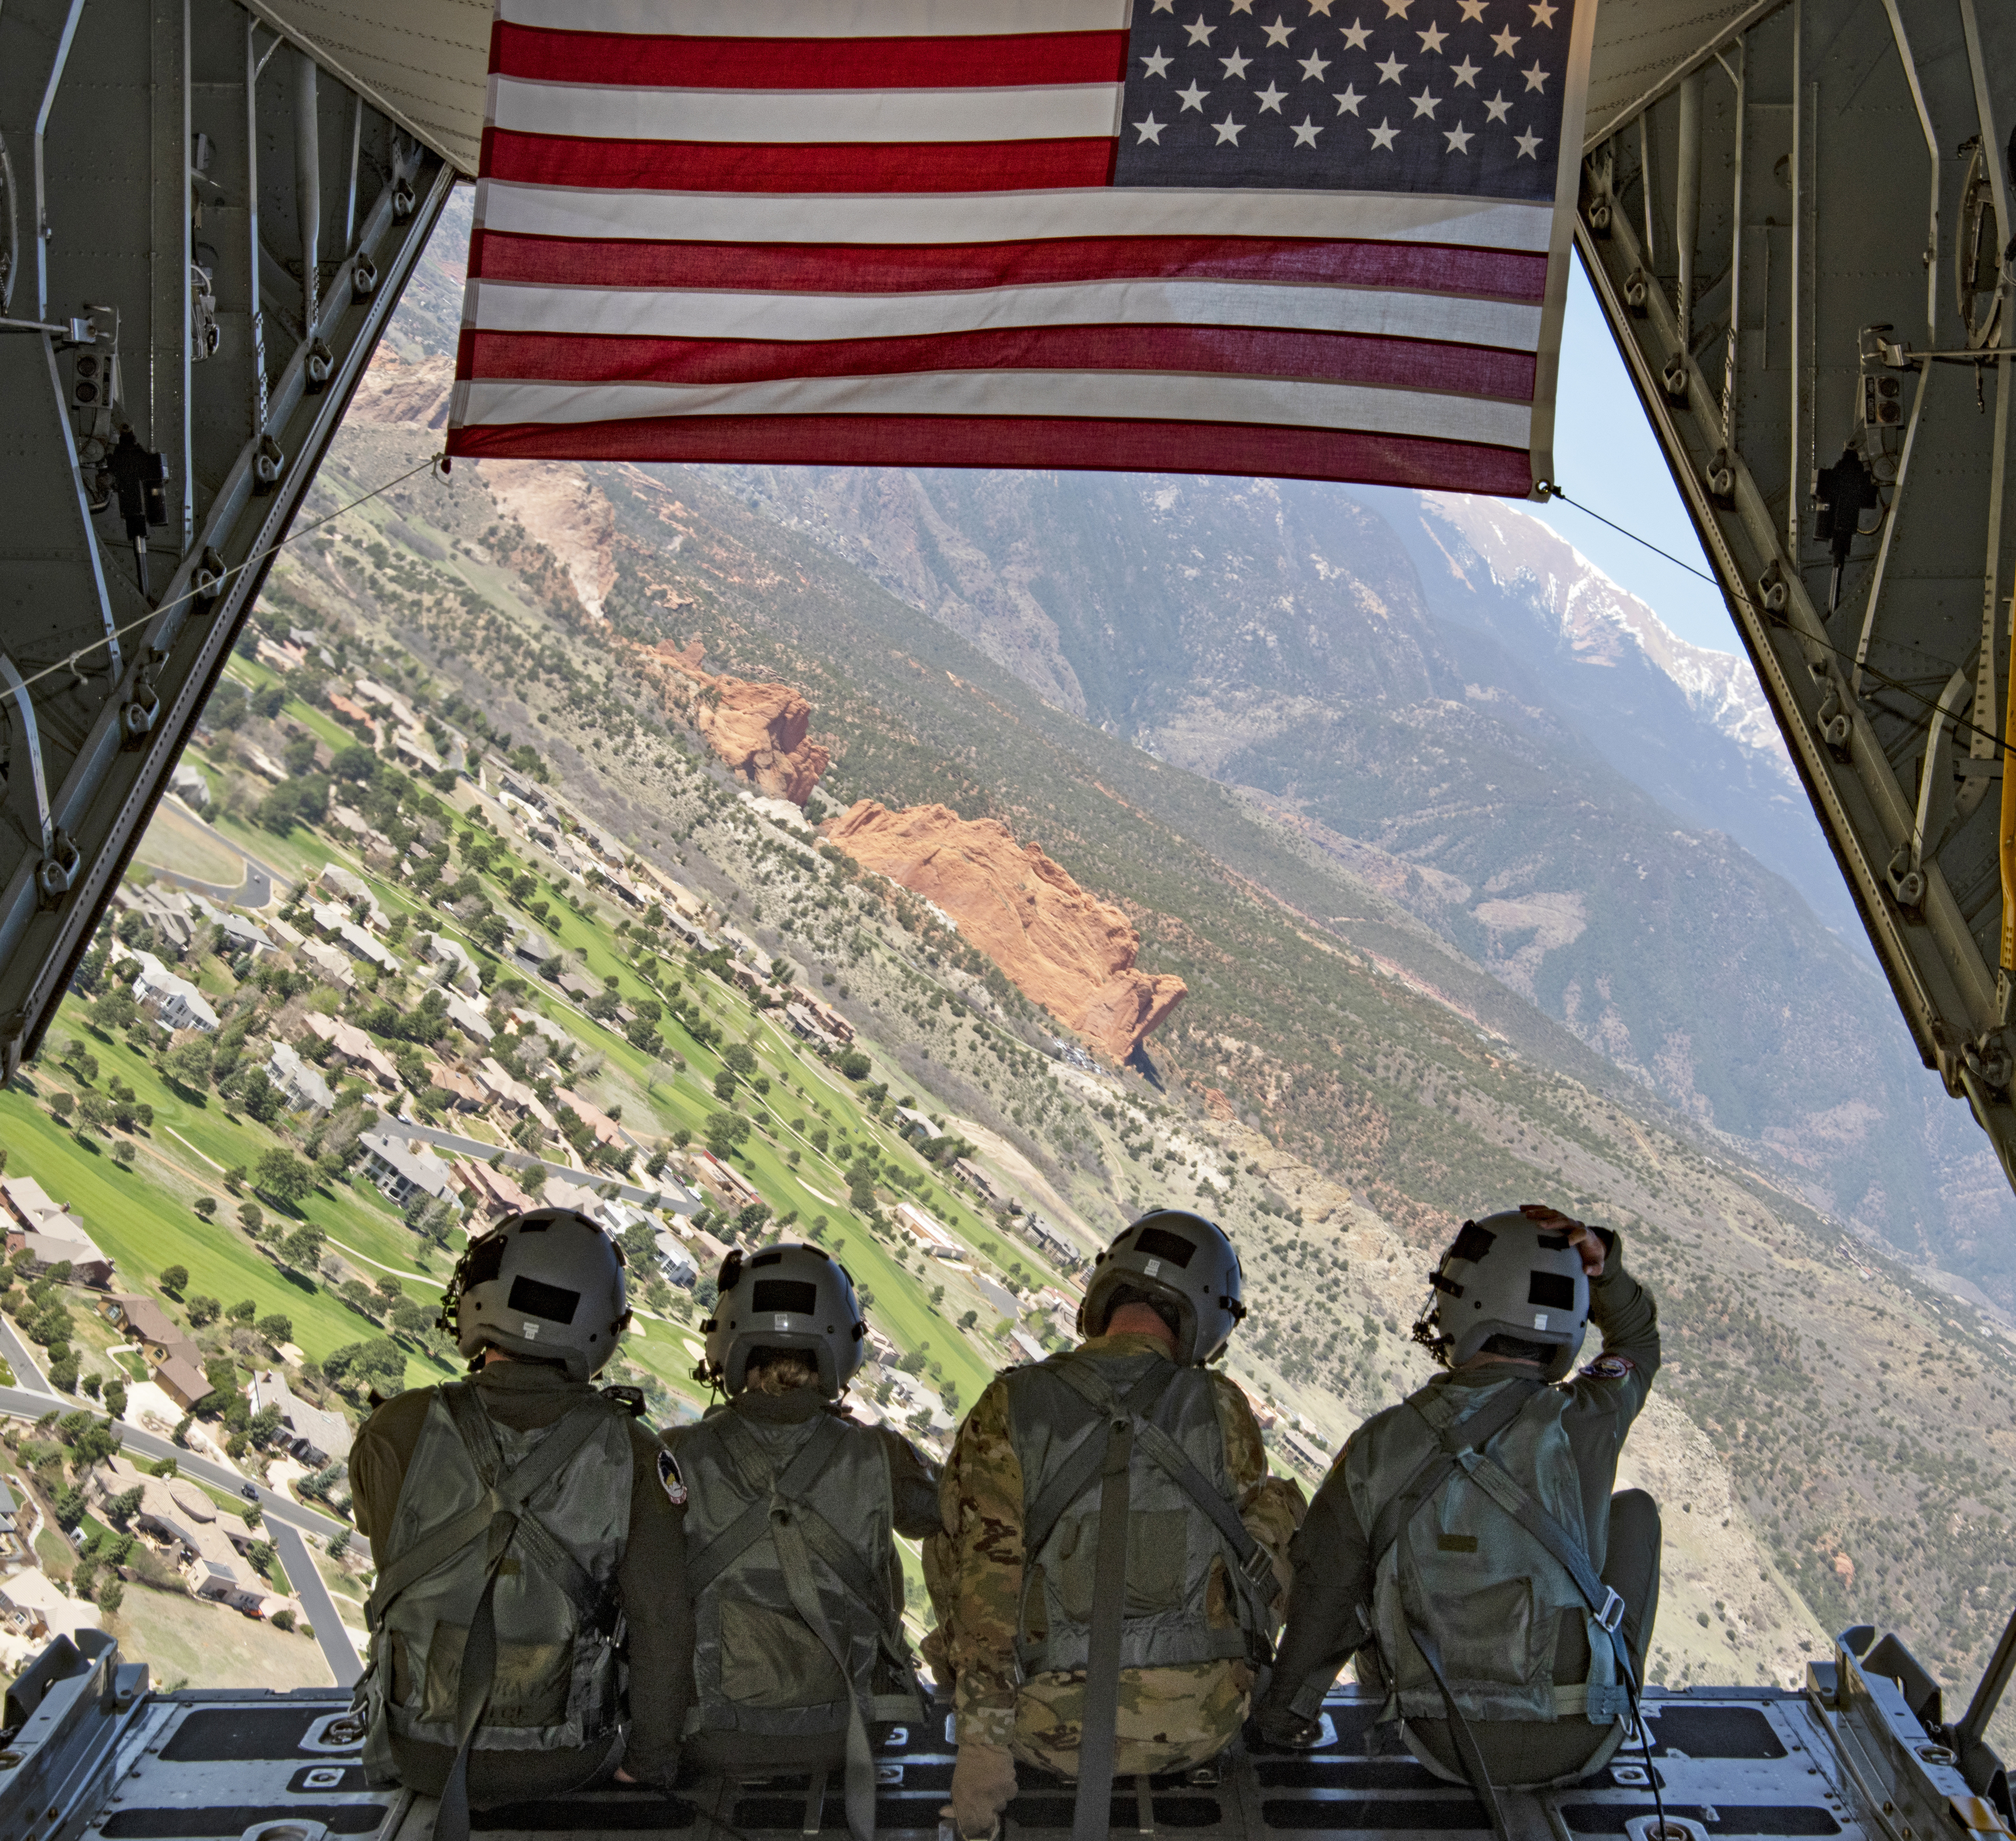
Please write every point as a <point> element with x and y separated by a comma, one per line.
<point>779,1371</point>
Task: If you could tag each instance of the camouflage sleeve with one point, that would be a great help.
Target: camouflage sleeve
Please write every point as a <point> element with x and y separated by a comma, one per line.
<point>383,1448</point>
<point>1271,1506</point>
<point>914,1484</point>
<point>981,1501</point>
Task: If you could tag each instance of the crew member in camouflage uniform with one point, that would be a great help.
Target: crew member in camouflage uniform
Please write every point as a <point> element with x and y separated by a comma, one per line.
<point>1517,1635</point>
<point>1014,1575</point>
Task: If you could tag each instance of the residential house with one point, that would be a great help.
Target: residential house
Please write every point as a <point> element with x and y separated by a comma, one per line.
<point>1026,1343</point>
<point>492,1193</point>
<point>349,888</point>
<point>454,958</point>
<point>33,1208</point>
<point>313,1436</point>
<point>241,935</point>
<point>187,782</point>
<point>675,1259</point>
<point>299,1082</point>
<point>469,1019</point>
<point>975,1179</point>
<point>177,1004</point>
<point>354,1047</point>
<point>10,1519</point>
<point>146,1326</point>
<point>357,941</point>
<point>331,962</point>
<point>32,1606</point>
<point>1303,1450</point>
<point>88,1265</point>
<point>914,1125</point>
<point>808,1028</point>
<point>560,1192</point>
<point>729,1188</point>
<point>263,764</point>
<point>606,1129</point>
<point>501,1087</point>
<point>184,1381</point>
<point>461,1089</point>
<point>404,1168</point>
<point>1050,1241</point>
<point>932,1234</point>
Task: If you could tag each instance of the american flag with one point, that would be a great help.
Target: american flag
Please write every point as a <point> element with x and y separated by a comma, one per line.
<point>1320,238</point>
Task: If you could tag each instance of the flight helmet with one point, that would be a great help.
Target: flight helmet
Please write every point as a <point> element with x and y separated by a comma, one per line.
<point>790,1296</point>
<point>546,1284</point>
<point>1171,1256</point>
<point>1507,1276</point>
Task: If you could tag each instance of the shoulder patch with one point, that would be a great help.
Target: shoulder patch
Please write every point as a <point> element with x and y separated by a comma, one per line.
<point>670,1481</point>
<point>1611,1368</point>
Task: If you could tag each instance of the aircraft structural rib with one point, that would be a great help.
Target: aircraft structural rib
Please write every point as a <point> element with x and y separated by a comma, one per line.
<point>205,232</point>
<point>1796,231</point>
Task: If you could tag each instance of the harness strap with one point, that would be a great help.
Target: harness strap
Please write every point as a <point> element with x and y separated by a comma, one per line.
<point>1465,1741</point>
<point>1081,1469</point>
<point>1099,1724</point>
<point>795,1563</point>
<point>794,1484</point>
<point>1478,1429</point>
<point>507,1498</point>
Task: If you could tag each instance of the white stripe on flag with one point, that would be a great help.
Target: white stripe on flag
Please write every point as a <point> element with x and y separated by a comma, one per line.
<point>777,116</point>
<point>652,313</point>
<point>1141,395</point>
<point>830,19</point>
<point>1006,217</point>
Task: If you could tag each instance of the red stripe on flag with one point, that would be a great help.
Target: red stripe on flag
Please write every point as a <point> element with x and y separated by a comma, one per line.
<point>644,60</point>
<point>1238,351</point>
<point>846,166</point>
<point>871,268</point>
<point>1060,442</point>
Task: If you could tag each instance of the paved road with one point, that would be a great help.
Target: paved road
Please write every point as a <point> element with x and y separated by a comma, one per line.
<point>309,1586</point>
<point>255,891</point>
<point>672,1197</point>
<point>276,1507</point>
<point>20,1358</point>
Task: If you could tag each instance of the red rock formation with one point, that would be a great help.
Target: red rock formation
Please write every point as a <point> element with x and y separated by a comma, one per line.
<point>759,729</point>
<point>1063,947</point>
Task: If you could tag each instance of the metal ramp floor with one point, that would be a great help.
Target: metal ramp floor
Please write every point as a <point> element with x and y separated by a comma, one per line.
<point>252,1767</point>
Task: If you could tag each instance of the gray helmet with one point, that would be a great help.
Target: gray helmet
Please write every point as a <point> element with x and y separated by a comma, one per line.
<point>787,1296</point>
<point>547,1285</point>
<point>1179,1259</point>
<point>1507,1276</point>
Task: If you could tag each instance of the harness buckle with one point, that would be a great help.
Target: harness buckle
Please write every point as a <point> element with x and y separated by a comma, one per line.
<point>1259,1566</point>
<point>1611,1616</point>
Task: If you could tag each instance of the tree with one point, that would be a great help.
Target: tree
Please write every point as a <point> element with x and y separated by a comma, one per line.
<point>251,1217</point>
<point>260,1098</point>
<point>856,1065</point>
<point>339,1544</point>
<point>302,1249</point>
<point>234,1178</point>
<point>725,1084</point>
<point>408,1317</point>
<point>125,1505</point>
<point>282,1621</point>
<point>175,1282</point>
<point>113,1011</point>
<point>115,1398</point>
<point>388,1287</point>
<point>111,1595</point>
<point>284,1177</point>
<point>749,1222</point>
<point>202,1310</point>
<point>277,1327</point>
<point>741,1057</point>
<point>243,1311</point>
<point>205,1206</point>
<point>123,1153</point>
<point>188,1064</point>
<point>358,1295</point>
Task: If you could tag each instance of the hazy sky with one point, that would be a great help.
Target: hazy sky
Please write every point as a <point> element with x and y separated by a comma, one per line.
<point>1604,456</point>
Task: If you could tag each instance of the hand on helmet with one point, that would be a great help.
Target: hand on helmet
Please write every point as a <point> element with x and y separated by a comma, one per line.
<point>1586,1241</point>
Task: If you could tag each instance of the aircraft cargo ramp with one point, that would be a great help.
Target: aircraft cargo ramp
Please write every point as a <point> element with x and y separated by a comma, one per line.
<point>1860,1751</point>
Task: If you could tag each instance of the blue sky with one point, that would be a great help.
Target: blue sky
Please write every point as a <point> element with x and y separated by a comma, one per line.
<point>1605,455</point>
